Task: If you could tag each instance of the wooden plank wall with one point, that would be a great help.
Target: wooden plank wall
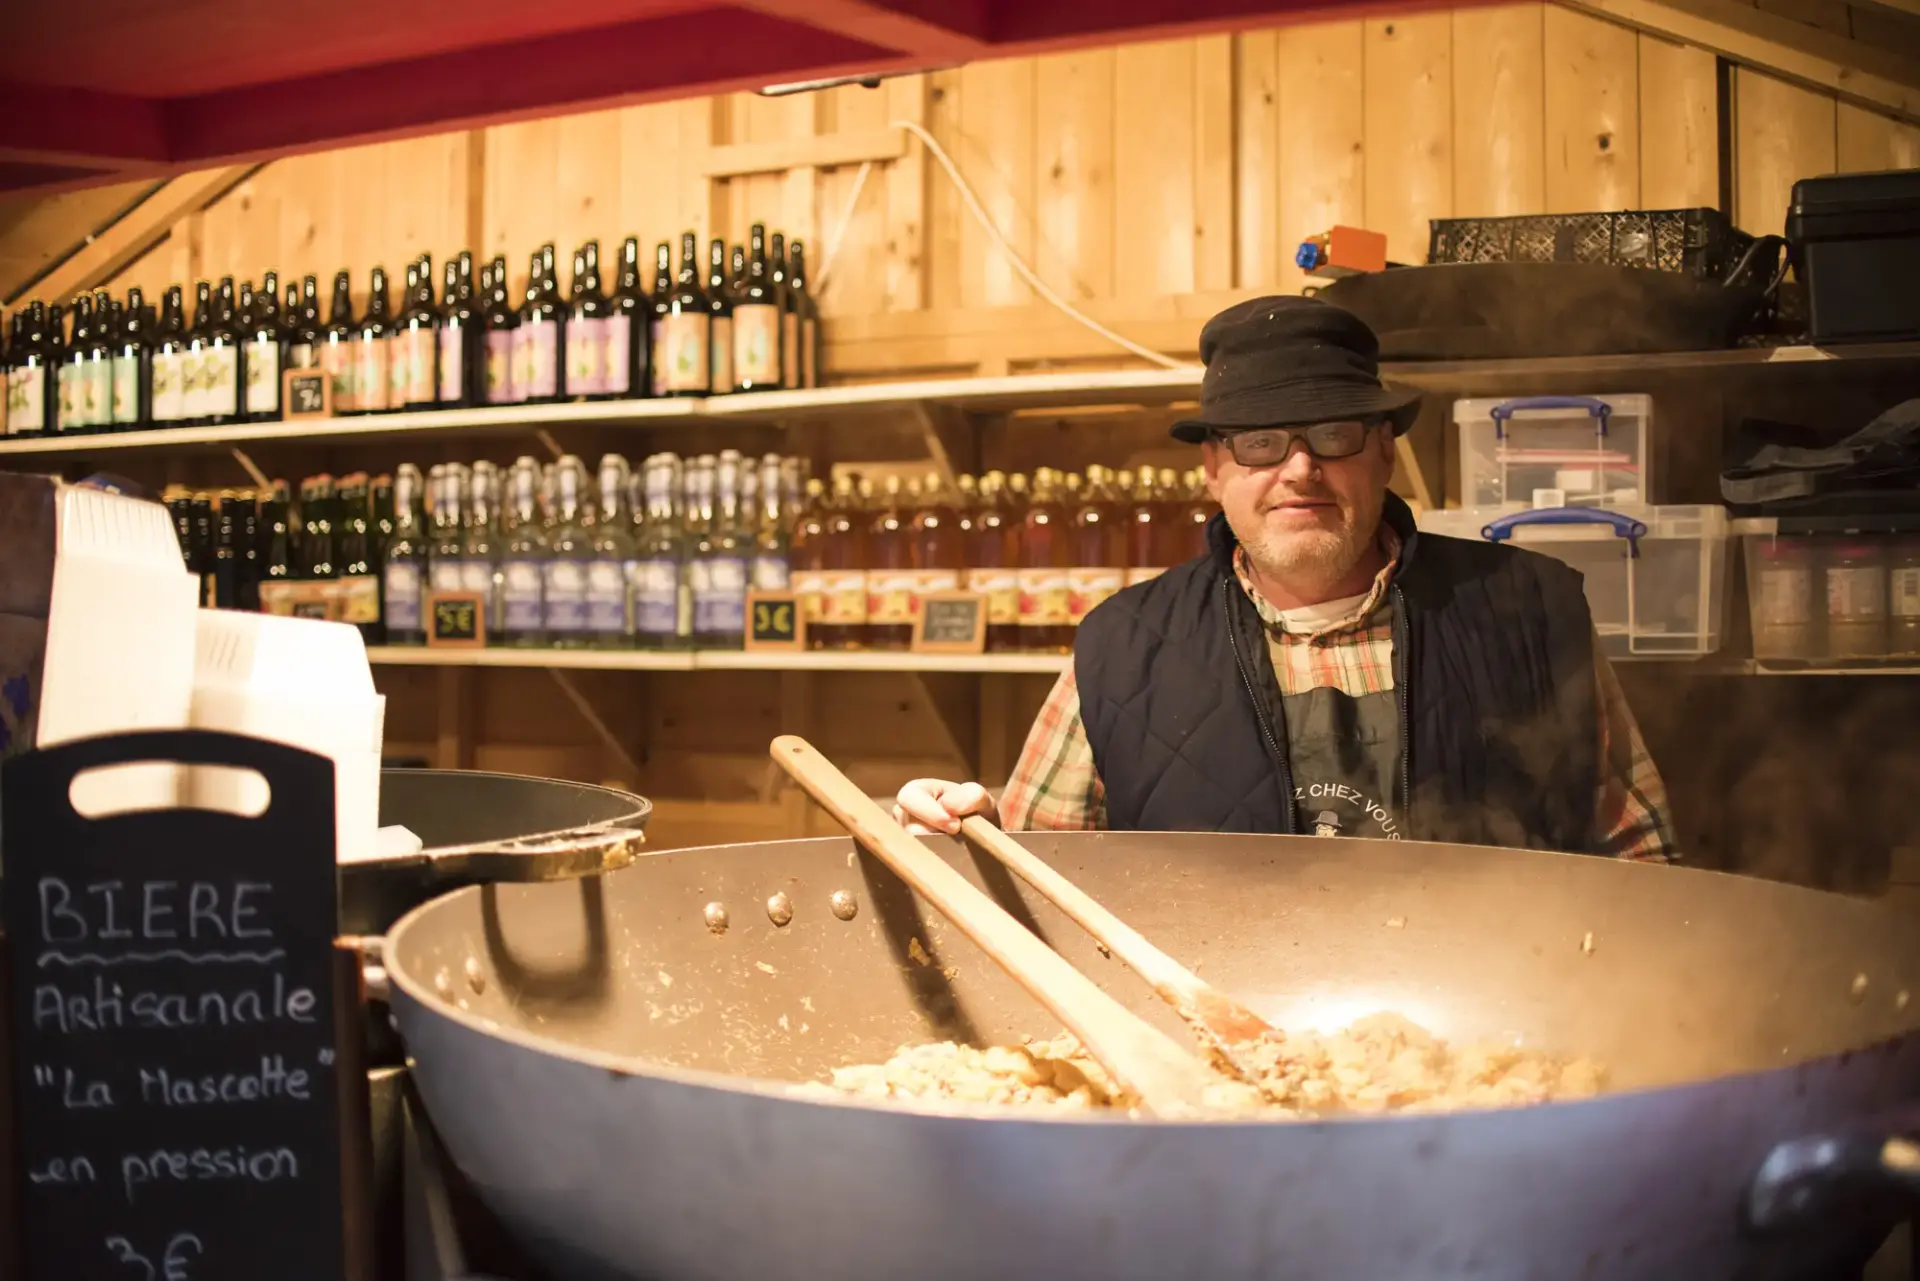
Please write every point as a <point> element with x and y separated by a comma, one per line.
<point>1149,184</point>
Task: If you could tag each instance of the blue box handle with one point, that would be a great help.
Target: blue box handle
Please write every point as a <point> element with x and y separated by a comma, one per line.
<point>1623,526</point>
<point>1600,409</point>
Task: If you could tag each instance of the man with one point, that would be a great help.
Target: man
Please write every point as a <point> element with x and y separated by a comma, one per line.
<point>1325,667</point>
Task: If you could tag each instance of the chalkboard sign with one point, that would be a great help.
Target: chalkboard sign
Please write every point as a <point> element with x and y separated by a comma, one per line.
<point>776,621</point>
<point>951,623</point>
<point>307,393</point>
<point>173,1021</point>
<point>456,620</point>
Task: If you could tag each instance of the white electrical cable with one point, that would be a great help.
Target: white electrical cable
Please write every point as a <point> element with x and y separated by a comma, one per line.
<point>840,227</point>
<point>1026,273</point>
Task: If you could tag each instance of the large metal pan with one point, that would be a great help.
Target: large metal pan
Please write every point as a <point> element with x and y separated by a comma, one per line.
<point>604,1062</point>
<point>479,827</point>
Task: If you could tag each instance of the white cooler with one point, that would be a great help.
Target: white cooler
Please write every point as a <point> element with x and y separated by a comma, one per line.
<point>1656,577</point>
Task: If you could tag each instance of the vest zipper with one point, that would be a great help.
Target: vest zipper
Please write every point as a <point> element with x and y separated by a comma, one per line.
<point>1402,642</point>
<point>1266,731</point>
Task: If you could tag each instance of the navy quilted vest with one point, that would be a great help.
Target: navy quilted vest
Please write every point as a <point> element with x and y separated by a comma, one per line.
<point>1493,670</point>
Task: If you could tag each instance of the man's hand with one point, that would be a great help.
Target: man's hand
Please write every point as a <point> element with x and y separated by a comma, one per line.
<point>928,805</point>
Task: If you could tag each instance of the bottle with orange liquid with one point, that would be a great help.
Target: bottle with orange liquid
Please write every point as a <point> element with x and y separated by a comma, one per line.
<point>890,576</point>
<point>1145,528</point>
<point>843,614</point>
<point>1045,555</point>
<point>808,546</point>
<point>1197,509</point>
<point>939,554</point>
<point>993,561</point>
<point>1099,546</point>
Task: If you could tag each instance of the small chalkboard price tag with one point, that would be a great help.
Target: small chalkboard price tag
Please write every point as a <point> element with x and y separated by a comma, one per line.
<point>456,620</point>
<point>307,393</point>
<point>951,623</point>
<point>173,1022</point>
<point>776,621</point>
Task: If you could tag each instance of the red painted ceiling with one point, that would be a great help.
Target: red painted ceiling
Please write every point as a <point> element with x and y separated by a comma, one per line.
<point>104,90</point>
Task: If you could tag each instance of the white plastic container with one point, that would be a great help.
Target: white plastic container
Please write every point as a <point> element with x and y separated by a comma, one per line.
<point>1554,451</point>
<point>120,635</point>
<point>298,681</point>
<point>1656,577</point>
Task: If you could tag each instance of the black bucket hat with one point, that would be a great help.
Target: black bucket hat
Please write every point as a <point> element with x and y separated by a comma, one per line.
<point>1286,361</point>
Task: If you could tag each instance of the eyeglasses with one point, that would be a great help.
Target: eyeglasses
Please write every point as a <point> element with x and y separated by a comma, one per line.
<point>1265,446</point>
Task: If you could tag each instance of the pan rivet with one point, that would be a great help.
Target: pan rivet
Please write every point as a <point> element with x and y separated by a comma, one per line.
<point>780,909</point>
<point>476,977</point>
<point>716,914</point>
<point>844,904</point>
<point>443,984</point>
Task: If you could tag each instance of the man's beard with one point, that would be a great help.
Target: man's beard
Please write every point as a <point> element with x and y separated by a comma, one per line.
<point>1311,556</point>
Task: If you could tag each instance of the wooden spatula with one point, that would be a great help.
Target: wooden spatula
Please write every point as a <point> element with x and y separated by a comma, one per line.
<point>1165,1077</point>
<point>1224,1025</point>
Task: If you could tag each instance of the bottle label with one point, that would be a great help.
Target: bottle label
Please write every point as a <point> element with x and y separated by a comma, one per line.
<point>415,377</point>
<point>684,352</point>
<point>220,375</point>
<point>756,345</point>
<point>453,361</point>
<point>1135,576</point>
<point>586,356</point>
<point>1001,590</point>
<point>809,359</point>
<point>722,348</point>
<point>810,585</point>
<point>657,357</point>
<point>789,350</point>
<point>719,595</point>
<point>1905,586</point>
<point>656,596</point>
<point>1786,596</point>
<point>399,360</point>
<point>337,359</point>
<point>169,396</point>
<point>263,376</point>
<point>890,596</point>
<point>98,376</point>
<point>1043,597</point>
<point>371,377</point>
<point>1088,587</point>
<point>193,387</point>
<point>301,355</point>
<point>500,358</point>
<point>846,596</point>
<point>770,572</point>
<point>521,600</point>
<point>1856,595</point>
<point>928,581</point>
<point>616,355</point>
<point>33,400</point>
<point>66,415</point>
<point>540,352</point>
<point>126,389</point>
<point>566,596</point>
<point>447,574</point>
<point>477,576</point>
<point>607,598</point>
<point>402,588</point>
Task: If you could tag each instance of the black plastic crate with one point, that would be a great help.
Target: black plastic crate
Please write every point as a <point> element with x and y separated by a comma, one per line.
<point>1856,245</point>
<point>1693,242</point>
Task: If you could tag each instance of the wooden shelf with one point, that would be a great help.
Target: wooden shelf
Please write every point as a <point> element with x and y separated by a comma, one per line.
<point>1147,388</point>
<point>716,660</point>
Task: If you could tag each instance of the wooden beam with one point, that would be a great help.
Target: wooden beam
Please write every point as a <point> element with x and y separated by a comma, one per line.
<point>821,151</point>
<point>1791,50</point>
<point>139,231</point>
<point>939,30</point>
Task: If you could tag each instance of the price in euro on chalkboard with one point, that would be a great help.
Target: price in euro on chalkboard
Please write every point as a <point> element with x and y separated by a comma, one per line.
<point>174,1039</point>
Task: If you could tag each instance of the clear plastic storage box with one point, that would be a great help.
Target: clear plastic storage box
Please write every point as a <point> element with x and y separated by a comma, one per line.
<point>1555,451</point>
<point>1656,577</point>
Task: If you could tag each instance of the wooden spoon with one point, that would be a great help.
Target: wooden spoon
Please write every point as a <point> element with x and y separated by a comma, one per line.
<point>1224,1025</point>
<point>1166,1077</point>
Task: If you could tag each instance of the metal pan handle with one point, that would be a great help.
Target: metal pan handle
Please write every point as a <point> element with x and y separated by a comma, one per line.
<point>1805,1179</point>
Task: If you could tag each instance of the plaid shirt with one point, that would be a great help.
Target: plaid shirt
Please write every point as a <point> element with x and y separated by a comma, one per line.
<point>1055,786</point>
